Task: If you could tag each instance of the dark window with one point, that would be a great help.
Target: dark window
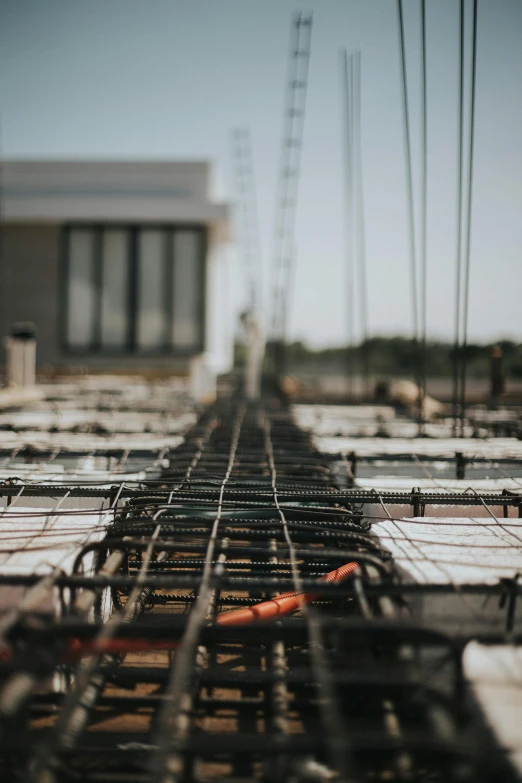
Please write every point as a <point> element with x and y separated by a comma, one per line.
<point>134,289</point>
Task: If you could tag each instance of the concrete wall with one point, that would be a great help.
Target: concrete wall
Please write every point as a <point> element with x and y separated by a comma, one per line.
<point>29,278</point>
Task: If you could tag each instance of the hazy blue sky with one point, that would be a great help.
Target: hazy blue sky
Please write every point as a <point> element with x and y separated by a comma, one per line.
<point>169,78</point>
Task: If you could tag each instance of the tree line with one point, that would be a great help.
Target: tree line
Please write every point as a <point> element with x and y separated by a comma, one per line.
<point>399,355</point>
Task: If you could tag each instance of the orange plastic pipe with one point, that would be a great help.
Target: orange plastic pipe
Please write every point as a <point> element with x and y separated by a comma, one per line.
<point>77,649</point>
<point>267,610</point>
<point>283,604</point>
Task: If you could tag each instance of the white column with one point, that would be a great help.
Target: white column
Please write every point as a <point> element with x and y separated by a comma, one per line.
<point>21,357</point>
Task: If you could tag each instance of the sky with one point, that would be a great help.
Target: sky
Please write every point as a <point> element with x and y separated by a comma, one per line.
<point>130,79</point>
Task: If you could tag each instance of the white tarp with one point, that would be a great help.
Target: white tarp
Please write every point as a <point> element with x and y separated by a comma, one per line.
<point>453,550</point>
<point>37,541</point>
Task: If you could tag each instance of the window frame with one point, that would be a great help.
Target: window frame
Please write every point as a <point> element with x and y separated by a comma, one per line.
<point>131,347</point>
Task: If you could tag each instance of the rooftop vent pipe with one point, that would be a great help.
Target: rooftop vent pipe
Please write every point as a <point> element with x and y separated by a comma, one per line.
<point>21,355</point>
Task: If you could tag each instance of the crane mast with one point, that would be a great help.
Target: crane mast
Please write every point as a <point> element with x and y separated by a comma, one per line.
<point>247,212</point>
<point>286,198</point>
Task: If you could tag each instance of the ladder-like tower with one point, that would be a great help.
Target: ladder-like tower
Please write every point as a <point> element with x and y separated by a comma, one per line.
<point>286,198</point>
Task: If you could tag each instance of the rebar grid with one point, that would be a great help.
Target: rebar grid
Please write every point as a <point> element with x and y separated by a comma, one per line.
<point>157,688</point>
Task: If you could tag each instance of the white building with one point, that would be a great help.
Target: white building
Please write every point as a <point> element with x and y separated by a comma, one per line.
<point>116,262</point>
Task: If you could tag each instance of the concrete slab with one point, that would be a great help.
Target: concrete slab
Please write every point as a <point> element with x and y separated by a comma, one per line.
<point>495,675</point>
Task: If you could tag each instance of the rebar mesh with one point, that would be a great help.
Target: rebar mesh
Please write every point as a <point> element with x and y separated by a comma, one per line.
<point>121,667</point>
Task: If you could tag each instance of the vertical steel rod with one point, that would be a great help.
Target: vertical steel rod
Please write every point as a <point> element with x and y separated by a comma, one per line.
<point>458,264</point>
<point>409,181</point>
<point>468,224</point>
<point>360,225</point>
<point>423,218</point>
<point>348,220</point>
<point>409,193</point>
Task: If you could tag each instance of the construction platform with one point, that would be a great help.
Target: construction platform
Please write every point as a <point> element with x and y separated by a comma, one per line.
<point>226,596</point>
